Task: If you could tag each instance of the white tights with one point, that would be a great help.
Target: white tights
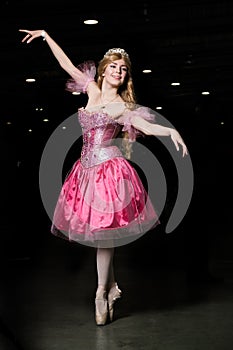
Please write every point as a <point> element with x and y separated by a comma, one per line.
<point>105,272</point>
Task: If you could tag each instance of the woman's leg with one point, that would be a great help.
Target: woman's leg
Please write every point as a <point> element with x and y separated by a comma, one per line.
<point>106,284</point>
<point>104,260</point>
<point>104,271</point>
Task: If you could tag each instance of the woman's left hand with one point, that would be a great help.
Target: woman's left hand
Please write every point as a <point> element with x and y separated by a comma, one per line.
<point>177,139</point>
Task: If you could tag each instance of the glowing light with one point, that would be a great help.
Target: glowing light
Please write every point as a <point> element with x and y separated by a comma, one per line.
<point>146,71</point>
<point>30,80</point>
<point>90,21</point>
<point>75,93</point>
<point>175,84</point>
<point>159,107</point>
<point>205,93</point>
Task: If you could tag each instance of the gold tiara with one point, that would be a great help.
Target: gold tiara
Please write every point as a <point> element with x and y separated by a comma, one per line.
<point>116,50</point>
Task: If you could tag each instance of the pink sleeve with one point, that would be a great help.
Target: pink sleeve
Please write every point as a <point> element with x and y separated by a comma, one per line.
<point>127,119</point>
<point>88,69</point>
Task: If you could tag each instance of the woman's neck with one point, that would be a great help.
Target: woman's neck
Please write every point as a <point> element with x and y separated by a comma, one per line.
<point>107,99</point>
<point>108,93</point>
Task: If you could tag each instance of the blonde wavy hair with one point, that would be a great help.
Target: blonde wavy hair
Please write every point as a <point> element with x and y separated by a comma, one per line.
<point>126,90</point>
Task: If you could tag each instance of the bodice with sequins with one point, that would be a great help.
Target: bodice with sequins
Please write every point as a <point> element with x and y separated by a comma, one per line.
<point>99,131</point>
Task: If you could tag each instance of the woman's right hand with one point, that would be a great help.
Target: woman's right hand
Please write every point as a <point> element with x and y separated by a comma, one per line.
<point>57,51</point>
<point>31,34</point>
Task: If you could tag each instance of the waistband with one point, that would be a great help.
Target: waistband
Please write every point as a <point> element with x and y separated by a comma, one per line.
<point>100,155</point>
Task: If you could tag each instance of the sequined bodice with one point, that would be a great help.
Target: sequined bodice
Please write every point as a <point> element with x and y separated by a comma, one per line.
<point>99,130</point>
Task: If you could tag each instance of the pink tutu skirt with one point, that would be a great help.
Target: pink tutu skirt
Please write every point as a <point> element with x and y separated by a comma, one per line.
<point>103,206</point>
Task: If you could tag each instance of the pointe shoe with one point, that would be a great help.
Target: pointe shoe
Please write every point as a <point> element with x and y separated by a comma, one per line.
<point>113,295</point>
<point>101,311</point>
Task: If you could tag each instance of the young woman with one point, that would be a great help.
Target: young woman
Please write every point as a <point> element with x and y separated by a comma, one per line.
<point>103,202</point>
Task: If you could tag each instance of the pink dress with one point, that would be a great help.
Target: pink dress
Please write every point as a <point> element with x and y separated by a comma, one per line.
<point>103,202</point>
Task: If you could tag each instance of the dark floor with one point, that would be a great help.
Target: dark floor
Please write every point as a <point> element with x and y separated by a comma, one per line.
<point>47,295</point>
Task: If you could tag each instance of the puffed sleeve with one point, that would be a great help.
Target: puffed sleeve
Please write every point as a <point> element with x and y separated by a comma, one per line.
<point>88,69</point>
<point>127,120</point>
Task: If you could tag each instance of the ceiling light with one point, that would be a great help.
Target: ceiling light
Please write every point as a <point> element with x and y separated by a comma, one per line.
<point>30,80</point>
<point>90,21</point>
<point>45,120</point>
<point>175,84</point>
<point>158,107</point>
<point>75,93</point>
<point>205,93</point>
<point>146,71</point>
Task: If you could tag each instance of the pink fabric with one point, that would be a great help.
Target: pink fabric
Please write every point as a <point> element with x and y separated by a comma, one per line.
<point>105,203</point>
<point>98,133</point>
<point>88,69</point>
<point>127,119</point>
<point>102,203</point>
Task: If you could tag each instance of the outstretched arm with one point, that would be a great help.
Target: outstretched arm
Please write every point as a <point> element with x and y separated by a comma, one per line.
<point>159,130</point>
<point>62,58</point>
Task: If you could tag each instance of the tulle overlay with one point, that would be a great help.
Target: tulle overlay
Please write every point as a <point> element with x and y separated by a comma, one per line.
<point>127,117</point>
<point>105,205</point>
<point>88,69</point>
<point>103,202</point>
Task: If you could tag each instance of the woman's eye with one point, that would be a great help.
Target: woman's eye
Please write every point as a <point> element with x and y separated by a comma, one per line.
<point>112,66</point>
<point>124,69</point>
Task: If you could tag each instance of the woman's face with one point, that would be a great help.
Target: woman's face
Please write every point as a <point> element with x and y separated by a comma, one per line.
<point>116,72</point>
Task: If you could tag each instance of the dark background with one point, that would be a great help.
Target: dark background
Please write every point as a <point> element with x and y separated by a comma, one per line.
<point>185,41</point>
<point>47,285</point>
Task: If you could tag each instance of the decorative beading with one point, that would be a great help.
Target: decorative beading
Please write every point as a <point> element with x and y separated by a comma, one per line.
<point>99,131</point>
